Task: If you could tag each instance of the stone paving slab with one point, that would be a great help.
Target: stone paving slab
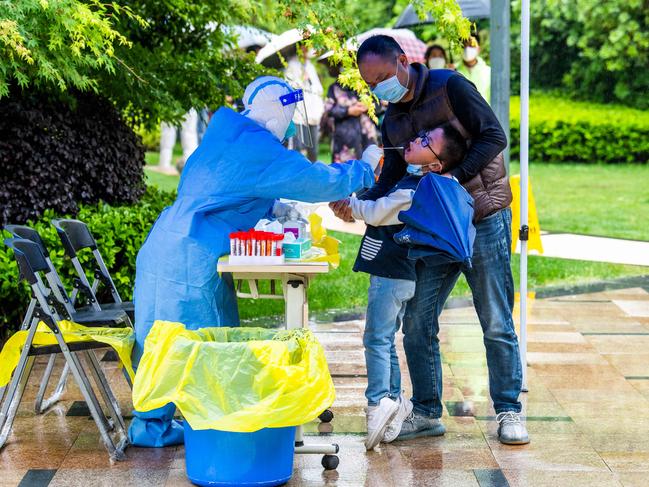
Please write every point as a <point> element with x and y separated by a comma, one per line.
<point>587,412</point>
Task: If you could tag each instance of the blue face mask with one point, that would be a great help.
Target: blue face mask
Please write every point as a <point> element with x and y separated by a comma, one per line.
<point>391,89</point>
<point>291,130</point>
<point>415,170</point>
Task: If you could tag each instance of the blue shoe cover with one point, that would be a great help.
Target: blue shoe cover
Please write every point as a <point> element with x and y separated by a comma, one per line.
<point>156,429</point>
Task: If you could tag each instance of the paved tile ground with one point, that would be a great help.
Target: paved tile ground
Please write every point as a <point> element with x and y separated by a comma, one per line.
<point>587,411</point>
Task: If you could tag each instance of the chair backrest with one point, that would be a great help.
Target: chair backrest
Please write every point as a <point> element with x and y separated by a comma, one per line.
<point>74,235</point>
<point>31,261</point>
<point>29,257</point>
<point>22,231</point>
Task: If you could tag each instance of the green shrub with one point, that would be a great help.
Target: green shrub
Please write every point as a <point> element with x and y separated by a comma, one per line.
<point>59,153</point>
<point>119,231</point>
<point>562,130</point>
<point>150,138</point>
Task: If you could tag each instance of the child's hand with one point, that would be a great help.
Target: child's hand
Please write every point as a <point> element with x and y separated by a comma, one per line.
<point>342,210</point>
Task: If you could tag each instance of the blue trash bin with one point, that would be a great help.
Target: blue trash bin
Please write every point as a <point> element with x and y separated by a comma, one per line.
<point>222,458</point>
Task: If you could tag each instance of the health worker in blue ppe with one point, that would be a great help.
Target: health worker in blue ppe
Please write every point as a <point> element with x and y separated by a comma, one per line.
<point>232,180</point>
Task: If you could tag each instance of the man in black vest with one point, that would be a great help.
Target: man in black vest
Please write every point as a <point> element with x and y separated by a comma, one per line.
<point>419,98</point>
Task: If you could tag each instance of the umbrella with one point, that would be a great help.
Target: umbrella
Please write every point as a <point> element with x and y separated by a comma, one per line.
<point>472,9</point>
<point>411,45</point>
<point>283,43</point>
<point>248,36</point>
<point>439,221</point>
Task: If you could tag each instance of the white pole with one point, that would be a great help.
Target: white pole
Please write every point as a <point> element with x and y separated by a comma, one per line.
<point>524,136</point>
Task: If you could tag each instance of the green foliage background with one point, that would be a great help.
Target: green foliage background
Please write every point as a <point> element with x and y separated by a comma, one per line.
<point>119,231</point>
<point>563,130</point>
<point>593,49</point>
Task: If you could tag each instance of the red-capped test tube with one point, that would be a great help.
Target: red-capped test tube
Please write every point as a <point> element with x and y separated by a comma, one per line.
<point>253,242</point>
<point>278,244</point>
<point>266,244</point>
<point>248,244</point>
<point>233,243</point>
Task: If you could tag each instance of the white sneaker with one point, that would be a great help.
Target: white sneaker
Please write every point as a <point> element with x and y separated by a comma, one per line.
<point>394,428</point>
<point>378,418</point>
<point>511,430</point>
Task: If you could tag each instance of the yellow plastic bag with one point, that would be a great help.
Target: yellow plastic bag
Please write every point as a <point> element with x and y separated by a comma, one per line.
<point>321,240</point>
<point>120,339</point>
<point>234,379</point>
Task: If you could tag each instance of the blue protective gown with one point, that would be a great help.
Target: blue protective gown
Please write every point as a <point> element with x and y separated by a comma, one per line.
<point>228,184</point>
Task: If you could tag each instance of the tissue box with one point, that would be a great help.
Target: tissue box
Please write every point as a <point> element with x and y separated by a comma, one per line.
<point>297,248</point>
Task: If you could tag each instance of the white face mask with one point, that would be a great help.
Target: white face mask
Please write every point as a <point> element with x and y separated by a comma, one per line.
<point>470,53</point>
<point>437,63</point>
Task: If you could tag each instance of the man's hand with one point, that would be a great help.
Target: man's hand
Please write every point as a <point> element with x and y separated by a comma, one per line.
<point>342,210</point>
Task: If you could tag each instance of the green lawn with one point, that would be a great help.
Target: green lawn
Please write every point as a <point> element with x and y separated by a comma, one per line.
<point>595,199</point>
<point>162,181</point>
<point>604,200</point>
<point>344,289</point>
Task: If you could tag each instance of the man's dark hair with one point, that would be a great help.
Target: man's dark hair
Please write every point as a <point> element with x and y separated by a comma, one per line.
<point>454,149</point>
<point>381,45</point>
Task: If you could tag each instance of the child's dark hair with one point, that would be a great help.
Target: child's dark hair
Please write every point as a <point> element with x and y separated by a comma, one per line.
<point>455,147</point>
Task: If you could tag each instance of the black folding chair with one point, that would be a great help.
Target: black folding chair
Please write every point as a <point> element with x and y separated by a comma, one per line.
<point>76,236</point>
<point>51,311</point>
<point>92,315</point>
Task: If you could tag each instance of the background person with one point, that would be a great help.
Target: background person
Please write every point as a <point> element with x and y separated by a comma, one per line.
<point>436,57</point>
<point>302,74</point>
<point>475,69</point>
<point>188,139</point>
<point>352,130</point>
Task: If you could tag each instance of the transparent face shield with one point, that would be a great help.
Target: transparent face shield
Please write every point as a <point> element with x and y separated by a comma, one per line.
<point>299,125</point>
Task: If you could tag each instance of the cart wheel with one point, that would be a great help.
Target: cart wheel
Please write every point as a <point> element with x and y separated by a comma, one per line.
<point>326,416</point>
<point>330,462</point>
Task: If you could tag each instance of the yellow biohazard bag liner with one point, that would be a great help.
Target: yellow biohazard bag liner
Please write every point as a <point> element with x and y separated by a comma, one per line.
<point>234,379</point>
<point>120,339</point>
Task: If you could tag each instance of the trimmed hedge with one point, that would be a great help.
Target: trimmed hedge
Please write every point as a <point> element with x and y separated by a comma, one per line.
<point>59,152</point>
<point>563,130</point>
<point>119,231</point>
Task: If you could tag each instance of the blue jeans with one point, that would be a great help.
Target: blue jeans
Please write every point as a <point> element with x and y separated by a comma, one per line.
<point>386,305</point>
<point>492,285</point>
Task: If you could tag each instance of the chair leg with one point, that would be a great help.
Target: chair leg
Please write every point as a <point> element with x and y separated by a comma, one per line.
<point>41,405</point>
<point>13,396</point>
<point>29,315</point>
<point>76,357</point>
<point>126,376</point>
<point>91,400</point>
<point>104,388</point>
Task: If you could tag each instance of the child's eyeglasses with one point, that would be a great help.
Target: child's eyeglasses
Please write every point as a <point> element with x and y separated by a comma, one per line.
<point>426,142</point>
